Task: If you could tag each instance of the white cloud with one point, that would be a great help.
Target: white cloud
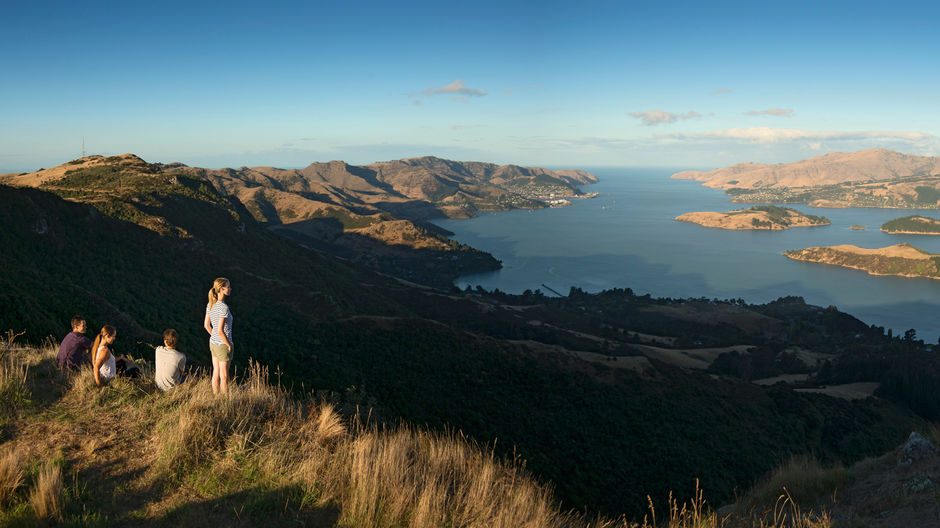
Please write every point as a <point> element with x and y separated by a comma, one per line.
<point>721,91</point>
<point>455,88</point>
<point>780,112</point>
<point>781,135</point>
<point>659,117</point>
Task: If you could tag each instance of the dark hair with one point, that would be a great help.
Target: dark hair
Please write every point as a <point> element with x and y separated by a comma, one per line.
<point>77,321</point>
<point>170,337</point>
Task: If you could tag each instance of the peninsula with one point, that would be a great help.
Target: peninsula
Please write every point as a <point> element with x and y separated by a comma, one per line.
<point>912,225</point>
<point>376,215</point>
<point>903,260</point>
<point>869,178</point>
<point>762,217</point>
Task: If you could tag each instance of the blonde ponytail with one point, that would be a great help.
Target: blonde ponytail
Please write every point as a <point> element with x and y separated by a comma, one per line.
<point>217,285</point>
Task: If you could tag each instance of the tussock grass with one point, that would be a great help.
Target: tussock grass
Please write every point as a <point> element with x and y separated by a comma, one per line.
<point>291,461</point>
<point>411,478</point>
<point>14,371</point>
<point>46,497</point>
<point>801,482</point>
<point>395,478</point>
<point>11,475</point>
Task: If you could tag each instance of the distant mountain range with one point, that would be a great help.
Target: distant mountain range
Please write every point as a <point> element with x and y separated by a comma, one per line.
<point>374,214</point>
<point>869,178</point>
<point>828,169</point>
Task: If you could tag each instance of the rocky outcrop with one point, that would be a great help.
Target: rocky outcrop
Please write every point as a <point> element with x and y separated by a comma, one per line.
<point>917,448</point>
<point>897,489</point>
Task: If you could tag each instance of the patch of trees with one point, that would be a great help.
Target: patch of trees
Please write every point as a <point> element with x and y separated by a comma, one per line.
<point>913,224</point>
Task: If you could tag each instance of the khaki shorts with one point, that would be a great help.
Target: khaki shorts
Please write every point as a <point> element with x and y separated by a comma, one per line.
<point>220,352</point>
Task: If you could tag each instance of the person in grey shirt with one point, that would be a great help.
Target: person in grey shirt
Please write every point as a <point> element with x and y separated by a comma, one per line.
<point>170,363</point>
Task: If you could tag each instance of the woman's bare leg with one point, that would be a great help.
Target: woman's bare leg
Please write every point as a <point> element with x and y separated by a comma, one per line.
<point>223,376</point>
<point>215,374</point>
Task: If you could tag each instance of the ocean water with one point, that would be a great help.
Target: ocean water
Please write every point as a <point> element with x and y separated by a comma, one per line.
<point>627,237</point>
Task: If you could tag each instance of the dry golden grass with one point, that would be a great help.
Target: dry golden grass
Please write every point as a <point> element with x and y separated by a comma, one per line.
<point>11,475</point>
<point>398,477</point>
<point>258,437</point>
<point>46,497</point>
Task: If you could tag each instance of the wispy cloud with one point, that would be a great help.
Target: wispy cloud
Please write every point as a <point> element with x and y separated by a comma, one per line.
<point>721,91</point>
<point>779,112</point>
<point>659,117</point>
<point>781,135</point>
<point>457,88</point>
<point>769,145</point>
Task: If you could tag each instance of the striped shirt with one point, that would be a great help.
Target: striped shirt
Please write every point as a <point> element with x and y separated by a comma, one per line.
<point>217,315</point>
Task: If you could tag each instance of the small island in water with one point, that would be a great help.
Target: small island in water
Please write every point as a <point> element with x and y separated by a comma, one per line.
<point>766,217</point>
<point>912,225</point>
<point>903,260</point>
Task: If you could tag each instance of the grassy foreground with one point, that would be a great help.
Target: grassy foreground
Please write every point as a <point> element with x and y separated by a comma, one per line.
<point>73,454</point>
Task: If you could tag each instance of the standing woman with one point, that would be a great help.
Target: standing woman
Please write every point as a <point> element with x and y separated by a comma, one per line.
<point>102,358</point>
<point>219,325</point>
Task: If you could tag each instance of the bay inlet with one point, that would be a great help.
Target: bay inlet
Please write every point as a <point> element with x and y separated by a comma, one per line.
<point>627,238</point>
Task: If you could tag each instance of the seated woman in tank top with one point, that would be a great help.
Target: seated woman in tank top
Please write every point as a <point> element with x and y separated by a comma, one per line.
<point>102,358</point>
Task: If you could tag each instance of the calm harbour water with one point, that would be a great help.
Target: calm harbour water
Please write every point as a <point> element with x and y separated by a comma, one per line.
<point>627,237</point>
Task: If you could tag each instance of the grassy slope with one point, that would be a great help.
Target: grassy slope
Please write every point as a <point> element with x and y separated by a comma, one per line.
<point>128,455</point>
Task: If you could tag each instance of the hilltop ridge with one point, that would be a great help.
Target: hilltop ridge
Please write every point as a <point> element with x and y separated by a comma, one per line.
<point>827,169</point>
<point>376,215</point>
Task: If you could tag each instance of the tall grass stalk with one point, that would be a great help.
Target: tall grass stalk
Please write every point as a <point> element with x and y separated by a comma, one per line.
<point>46,497</point>
<point>11,475</point>
<point>801,480</point>
<point>14,371</point>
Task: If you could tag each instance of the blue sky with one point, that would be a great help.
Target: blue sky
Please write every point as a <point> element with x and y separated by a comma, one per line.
<point>559,84</point>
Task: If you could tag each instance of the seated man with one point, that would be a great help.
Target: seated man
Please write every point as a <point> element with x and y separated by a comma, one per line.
<point>75,349</point>
<point>170,363</point>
